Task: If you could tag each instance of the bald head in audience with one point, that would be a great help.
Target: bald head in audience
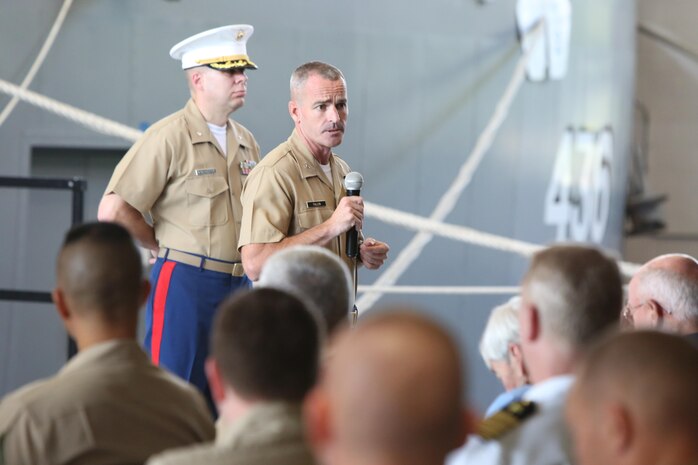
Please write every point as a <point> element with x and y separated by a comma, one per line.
<point>317,276</point>
<point>634,402</point>
<point>99,284</point>
<point>663,294</point>
<point>392,395</point>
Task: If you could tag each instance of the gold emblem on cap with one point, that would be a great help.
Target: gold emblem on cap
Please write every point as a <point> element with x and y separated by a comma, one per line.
<point>240,35</point>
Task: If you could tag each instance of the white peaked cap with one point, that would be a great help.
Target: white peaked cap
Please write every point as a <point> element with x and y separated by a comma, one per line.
<point>220,48</point>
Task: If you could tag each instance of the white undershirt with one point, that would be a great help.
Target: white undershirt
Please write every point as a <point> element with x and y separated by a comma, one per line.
<point>327,169</point>
<point>219,133</point>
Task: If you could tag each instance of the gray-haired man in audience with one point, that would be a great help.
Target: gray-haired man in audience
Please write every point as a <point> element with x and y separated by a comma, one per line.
<point>500,347</point>
<point>570,296</point>
<point>317,276</point>
<point>663,294</point>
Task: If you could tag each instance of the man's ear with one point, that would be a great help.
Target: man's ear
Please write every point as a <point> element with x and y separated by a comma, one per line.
<point>197,79</point>
<point>529,322</point>
<point>656,313</point>
<point>61,305</point>
<point>215,380</point>
<point>293,110</point>
<point>516,359</point>
<point>318,421</point>
<point>620,432</point>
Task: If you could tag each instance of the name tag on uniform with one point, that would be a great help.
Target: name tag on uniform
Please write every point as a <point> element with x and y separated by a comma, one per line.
<point>204,171</point>
<point>316,203</point>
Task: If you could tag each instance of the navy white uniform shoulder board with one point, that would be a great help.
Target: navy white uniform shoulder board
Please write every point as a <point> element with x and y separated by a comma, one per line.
<point>506,419</point>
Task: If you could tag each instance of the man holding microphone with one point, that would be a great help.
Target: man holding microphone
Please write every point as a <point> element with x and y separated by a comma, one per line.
<point>296,195</point>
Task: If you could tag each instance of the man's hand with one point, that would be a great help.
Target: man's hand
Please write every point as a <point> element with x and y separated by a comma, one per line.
<point>349,213</point>
<point>373,253</point>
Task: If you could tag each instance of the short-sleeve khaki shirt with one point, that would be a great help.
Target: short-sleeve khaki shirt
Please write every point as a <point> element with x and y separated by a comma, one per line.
<point>178,173</point>
<point>288,193</point>
<point>107,405</point>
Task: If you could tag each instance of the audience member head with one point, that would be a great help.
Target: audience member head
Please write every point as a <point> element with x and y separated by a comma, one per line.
<point>264,348</point>
<point>316,275</point>
<point>663,294</point>
<point>99,283</point>
<point>392,394</point>
<point>633,401</point>
<point>500,345</point>
<point>570,295</point>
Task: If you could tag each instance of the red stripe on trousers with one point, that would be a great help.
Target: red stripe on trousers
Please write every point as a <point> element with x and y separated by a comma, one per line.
<point>159,309</point>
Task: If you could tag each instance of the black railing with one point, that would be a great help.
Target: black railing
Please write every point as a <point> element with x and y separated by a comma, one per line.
<point>78,187</point>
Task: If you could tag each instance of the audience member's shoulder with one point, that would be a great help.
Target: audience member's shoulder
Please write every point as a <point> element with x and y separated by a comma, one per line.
<point>201,453</point>
<point>27,400</point>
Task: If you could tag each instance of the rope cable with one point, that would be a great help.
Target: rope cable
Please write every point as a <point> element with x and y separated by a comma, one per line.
<point>82,117</point>
<point>444,207</point>
<point>48,43</point>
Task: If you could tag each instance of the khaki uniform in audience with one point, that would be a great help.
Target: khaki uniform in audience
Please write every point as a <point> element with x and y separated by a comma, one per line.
<point>270,434</point>
<point>288,193</point>
<point>109,404</point>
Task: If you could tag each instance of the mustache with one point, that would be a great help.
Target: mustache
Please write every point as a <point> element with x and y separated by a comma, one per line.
<point>331,126</point>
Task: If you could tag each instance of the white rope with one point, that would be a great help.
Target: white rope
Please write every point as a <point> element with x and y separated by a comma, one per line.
<point>48,43</point>
<point>463,234</point>
<point>82,117</point>
<point>414,248</point>
<point>451,290</point>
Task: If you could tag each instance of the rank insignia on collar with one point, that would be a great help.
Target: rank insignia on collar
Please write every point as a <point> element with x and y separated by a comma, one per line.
<point>506,419</point>
<point>246,166</point>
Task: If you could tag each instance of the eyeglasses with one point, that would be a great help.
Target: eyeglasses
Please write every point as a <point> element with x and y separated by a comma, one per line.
<point>628,310</point>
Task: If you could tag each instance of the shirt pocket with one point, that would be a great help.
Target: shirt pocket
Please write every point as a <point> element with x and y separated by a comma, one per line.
<point>207,202</point>
<point>312,217</point>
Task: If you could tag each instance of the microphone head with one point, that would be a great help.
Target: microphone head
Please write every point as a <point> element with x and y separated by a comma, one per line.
<point>353,181</point>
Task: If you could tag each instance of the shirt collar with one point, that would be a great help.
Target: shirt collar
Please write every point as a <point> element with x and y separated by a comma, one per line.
<point>198,128</point>
<point>103,350</point>
<point>551,388</point>
<point>264,420</point>
<point>308,163</point>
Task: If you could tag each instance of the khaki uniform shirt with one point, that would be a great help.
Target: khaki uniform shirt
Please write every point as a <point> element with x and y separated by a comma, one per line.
<point>288,193</point>
<point>270,434</point>
<point>108,405</point>
<point>178,174</point>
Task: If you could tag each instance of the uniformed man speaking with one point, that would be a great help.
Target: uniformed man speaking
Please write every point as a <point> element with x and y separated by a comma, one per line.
<point>187,171</point>
<point>296,194</point>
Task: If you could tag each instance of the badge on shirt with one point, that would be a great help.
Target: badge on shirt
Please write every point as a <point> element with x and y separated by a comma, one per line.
<point>316,203</point>
<point>246,166</point>
<point>204,171</point>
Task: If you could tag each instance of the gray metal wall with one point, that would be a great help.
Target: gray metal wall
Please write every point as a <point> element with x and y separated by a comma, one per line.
<point>423,79</point>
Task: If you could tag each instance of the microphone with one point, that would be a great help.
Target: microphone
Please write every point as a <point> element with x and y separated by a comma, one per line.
<point>352,183</point>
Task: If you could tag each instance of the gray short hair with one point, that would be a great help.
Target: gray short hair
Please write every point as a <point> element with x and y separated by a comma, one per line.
<point>502,328</point>
<point>325,70</point>
<point>675,292</point>
<point>317,276</point>
<point>578,292</point>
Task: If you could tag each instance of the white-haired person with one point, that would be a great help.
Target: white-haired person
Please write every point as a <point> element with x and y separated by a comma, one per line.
<point>500,347</point>
<point>663,295</point>
<point>317,276</point>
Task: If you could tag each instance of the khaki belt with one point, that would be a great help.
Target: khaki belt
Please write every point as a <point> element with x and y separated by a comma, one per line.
<point>234,269</point>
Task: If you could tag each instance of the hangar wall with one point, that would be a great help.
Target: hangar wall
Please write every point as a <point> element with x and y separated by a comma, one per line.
<point>422,84</point>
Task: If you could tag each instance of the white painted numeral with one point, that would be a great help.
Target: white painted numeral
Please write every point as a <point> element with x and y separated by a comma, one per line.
<point>578,198</point>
